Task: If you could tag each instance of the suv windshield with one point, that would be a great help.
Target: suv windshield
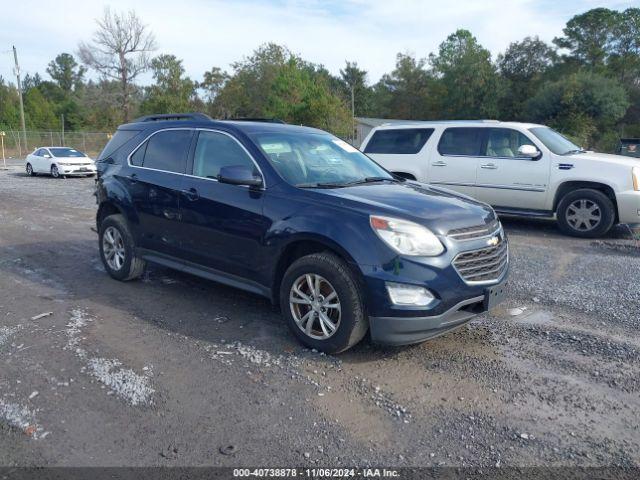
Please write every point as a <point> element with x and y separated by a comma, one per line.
<point>66,152</point>
<point>555,142</point>
<point>317,160</point>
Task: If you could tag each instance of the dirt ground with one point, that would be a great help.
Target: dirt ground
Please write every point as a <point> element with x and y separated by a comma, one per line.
<point>175,370</point>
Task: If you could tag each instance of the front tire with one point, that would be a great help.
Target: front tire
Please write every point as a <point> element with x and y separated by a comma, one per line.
<point>322,303</point>
<point>117,249</point>
<point>55,173</point>
<point>586,213</point>
<point>29,170</point>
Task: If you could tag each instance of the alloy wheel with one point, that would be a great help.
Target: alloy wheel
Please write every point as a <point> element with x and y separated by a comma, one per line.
<point>29,169</point>
<point>55,173</point>
<point>113,248</point>
<point>315,306</point>
<point>584,215</point>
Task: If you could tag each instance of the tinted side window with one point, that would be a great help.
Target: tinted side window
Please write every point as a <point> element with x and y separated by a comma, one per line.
<point>38,153</point>
<point>504,143</point>
<point>138,155</point>
<point>404,141</point>
<point>168,150</point>
<point>217,150</point>
<point>461,141</point>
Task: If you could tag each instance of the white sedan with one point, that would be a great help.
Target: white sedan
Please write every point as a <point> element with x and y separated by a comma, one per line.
<point>59,162</point>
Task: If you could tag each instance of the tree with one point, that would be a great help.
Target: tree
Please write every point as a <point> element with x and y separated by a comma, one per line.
<point>298,96</point>
<point>66,72</point>
<point>408,92</point>
<point>172,92</point>
<point>119,51</point>
<point>590,36</point>
<point>248,88</point>
<point>212,84</point>
<point>523,66</point>
<point>584,105</point>
<point>354,80</point>
<point>469,78</point>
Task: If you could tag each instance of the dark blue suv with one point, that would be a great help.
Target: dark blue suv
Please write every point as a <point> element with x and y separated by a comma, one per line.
<point>302,218</point>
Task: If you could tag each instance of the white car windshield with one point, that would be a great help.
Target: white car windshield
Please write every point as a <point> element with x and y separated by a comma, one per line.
<point>317,160</point>
<point>554,141</point>
<point>66,152</point>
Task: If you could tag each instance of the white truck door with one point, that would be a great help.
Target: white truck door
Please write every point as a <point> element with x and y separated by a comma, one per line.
<point>453,160</point>
<point>507,179</point>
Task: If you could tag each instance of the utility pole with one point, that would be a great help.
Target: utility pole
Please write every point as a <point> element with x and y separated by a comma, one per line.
<point>24,130</point>
<point>62,126</point>
<point>353,114</point>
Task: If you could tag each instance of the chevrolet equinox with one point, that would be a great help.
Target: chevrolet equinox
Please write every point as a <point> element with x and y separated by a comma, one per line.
<point>301,217</point>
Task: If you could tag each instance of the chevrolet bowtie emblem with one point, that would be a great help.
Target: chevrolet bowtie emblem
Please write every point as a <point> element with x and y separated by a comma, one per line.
<point>493,241</point>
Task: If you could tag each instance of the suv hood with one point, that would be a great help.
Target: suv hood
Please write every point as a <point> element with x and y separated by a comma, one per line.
<point>605,157</point>
<point>438,209</point>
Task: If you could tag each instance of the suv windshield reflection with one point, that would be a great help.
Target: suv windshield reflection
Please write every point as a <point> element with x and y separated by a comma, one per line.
<point>554,141</point>
<point>316,160</point>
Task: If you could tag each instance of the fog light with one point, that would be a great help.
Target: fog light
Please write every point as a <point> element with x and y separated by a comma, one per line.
<point>403,294</point>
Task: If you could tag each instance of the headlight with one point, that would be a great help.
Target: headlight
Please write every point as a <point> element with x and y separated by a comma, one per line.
<point>635,176</point>
<point>406,238</point>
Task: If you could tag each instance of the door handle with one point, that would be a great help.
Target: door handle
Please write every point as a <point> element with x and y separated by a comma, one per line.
<point>191,194</point>
<point>439,164</point>
<point>489,166</point>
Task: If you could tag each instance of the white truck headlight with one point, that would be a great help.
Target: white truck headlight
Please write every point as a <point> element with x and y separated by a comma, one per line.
<point>406,238</point>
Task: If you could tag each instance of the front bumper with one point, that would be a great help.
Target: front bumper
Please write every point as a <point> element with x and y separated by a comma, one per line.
<point>407,330</point>
<point>457,299</point>
<point>628,207</point>
<point>77,169</point>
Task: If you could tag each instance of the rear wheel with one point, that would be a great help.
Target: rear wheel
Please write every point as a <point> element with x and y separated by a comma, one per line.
<point>117,249</point>
<point>586,213</point>
<point>322,303</point>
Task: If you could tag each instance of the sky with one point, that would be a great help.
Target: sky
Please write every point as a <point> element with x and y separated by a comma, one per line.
<point>207,33</point>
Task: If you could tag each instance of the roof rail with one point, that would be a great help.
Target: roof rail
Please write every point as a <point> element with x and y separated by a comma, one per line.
<point>173,116</point>
<point>250,119</point>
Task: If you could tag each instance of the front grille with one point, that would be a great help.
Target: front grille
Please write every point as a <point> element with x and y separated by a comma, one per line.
<point>484,265</point>
<point>477,231</point>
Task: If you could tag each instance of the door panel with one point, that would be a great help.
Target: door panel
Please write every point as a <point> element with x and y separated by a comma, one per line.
<point>155,181</point>
<point>507,180</point>
<point>453,163</point>
<point>223,225</point>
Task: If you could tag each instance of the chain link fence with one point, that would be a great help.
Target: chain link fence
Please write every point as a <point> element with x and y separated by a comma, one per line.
<point>90,143</point>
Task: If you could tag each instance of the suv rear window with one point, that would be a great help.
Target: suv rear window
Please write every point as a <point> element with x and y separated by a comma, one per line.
<point>166,151</point>
<point>398,141</point>
<point>461,141</point>
<point>117,140</point>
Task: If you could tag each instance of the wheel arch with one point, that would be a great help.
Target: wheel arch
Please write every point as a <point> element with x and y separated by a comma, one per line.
<point>408,176</point>
<point>567,187</point>
<point>301,246</point>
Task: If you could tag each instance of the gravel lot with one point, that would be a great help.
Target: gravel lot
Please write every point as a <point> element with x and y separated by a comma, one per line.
<point>174,370</point>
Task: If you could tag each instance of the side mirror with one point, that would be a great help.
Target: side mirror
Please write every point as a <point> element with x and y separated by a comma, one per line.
<point>46,155</point>
<point>529,151</point>
<point>239,175</point>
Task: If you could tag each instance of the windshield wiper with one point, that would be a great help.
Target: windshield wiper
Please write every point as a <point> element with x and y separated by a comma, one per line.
<point>320,185</point>
<point>372,180</point>
<point>346,184</point>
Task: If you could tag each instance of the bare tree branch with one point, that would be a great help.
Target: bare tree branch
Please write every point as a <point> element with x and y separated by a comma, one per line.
<point>119,51</point>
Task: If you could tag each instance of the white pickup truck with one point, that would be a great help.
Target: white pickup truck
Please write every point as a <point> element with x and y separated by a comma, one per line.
<point>518,168</point>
